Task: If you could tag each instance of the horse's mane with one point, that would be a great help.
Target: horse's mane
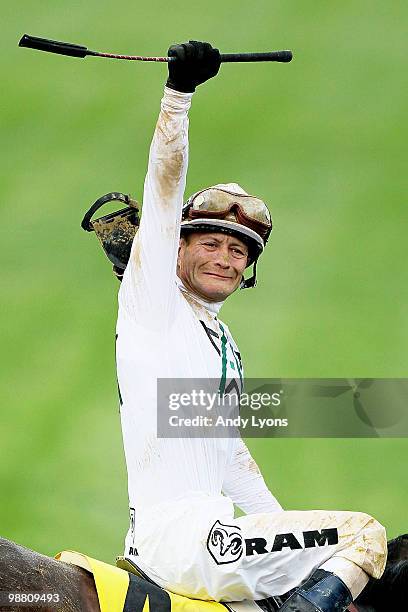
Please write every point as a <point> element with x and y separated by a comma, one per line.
<point>391,590</point>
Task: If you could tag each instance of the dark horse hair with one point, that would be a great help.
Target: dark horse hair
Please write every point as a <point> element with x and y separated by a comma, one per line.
<point>390,591</point>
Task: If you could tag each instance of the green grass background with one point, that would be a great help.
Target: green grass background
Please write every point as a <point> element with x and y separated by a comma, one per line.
<point>323,140</point>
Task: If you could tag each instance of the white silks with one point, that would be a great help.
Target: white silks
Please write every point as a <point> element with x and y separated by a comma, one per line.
<point>179,488</point>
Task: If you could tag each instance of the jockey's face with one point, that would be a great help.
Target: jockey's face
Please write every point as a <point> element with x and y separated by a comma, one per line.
<point>211,265</point>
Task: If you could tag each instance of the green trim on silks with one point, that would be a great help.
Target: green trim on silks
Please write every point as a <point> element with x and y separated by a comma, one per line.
<point>223,380</point>
<point>238,366</point>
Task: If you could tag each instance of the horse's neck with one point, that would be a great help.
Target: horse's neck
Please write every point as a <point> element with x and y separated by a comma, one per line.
<point>26,570</point>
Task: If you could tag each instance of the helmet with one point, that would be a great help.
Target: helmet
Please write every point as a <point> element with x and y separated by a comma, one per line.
<point>227,208</point>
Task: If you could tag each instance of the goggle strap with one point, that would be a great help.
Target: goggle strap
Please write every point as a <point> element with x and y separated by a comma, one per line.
<point>250,282</point>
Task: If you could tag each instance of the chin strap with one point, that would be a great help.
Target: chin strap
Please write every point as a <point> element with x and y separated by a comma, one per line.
<point>251,281</point>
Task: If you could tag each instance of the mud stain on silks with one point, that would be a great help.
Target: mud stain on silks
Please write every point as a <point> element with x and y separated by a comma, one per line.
<point>252,467</point>
<point>169,172</point>
<point>202,313</point>
<point>150,453</point>
<point>167,127</point>
<point>135,254</point>
<point>171,156</point>
<point>247,462</point>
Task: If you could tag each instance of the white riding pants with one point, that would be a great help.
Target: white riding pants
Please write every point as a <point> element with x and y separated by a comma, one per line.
<point>195,547</point>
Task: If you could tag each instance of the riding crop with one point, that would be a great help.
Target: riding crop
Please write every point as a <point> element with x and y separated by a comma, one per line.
<point>64,48</point>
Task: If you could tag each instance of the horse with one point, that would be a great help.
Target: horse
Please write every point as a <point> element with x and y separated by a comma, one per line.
<point>25,571</point>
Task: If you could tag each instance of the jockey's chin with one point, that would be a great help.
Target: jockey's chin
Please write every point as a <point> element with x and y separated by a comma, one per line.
<point>211,265</point>
<point>213,287</point>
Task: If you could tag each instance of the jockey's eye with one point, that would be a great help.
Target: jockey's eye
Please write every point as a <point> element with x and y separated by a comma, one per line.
<point>210,243</point>
<point>238,252</point>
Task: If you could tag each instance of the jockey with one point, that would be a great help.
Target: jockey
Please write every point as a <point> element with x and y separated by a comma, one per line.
<point>184,263</point>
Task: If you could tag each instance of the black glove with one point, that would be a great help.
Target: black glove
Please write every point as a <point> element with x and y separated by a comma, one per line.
<point>196,63</point>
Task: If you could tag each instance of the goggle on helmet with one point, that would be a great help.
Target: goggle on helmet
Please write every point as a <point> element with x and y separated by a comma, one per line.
<point>227,208</point>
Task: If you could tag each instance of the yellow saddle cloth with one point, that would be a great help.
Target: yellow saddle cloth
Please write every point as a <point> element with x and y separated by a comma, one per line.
<point>121,591</point>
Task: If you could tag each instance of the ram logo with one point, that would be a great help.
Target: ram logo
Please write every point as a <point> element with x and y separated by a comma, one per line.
<point>225,543</point>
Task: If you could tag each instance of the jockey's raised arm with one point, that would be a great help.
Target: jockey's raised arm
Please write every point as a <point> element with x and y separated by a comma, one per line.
<point>148,284</point>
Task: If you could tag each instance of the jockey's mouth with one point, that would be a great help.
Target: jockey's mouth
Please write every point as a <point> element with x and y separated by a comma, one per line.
<point>218,275</point>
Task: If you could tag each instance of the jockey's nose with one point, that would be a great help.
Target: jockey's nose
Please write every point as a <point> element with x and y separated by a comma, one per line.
<point>223,256</point>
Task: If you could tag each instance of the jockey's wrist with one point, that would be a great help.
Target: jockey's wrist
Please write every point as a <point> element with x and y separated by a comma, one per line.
<point>176,100</point>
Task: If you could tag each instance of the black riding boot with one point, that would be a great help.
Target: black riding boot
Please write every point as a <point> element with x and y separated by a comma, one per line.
<point>322,592</point>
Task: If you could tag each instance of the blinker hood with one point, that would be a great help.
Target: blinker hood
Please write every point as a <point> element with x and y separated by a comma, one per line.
<point>116,230</point>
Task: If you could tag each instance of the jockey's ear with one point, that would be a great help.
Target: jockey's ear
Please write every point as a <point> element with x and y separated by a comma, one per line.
<point>182,242</point>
